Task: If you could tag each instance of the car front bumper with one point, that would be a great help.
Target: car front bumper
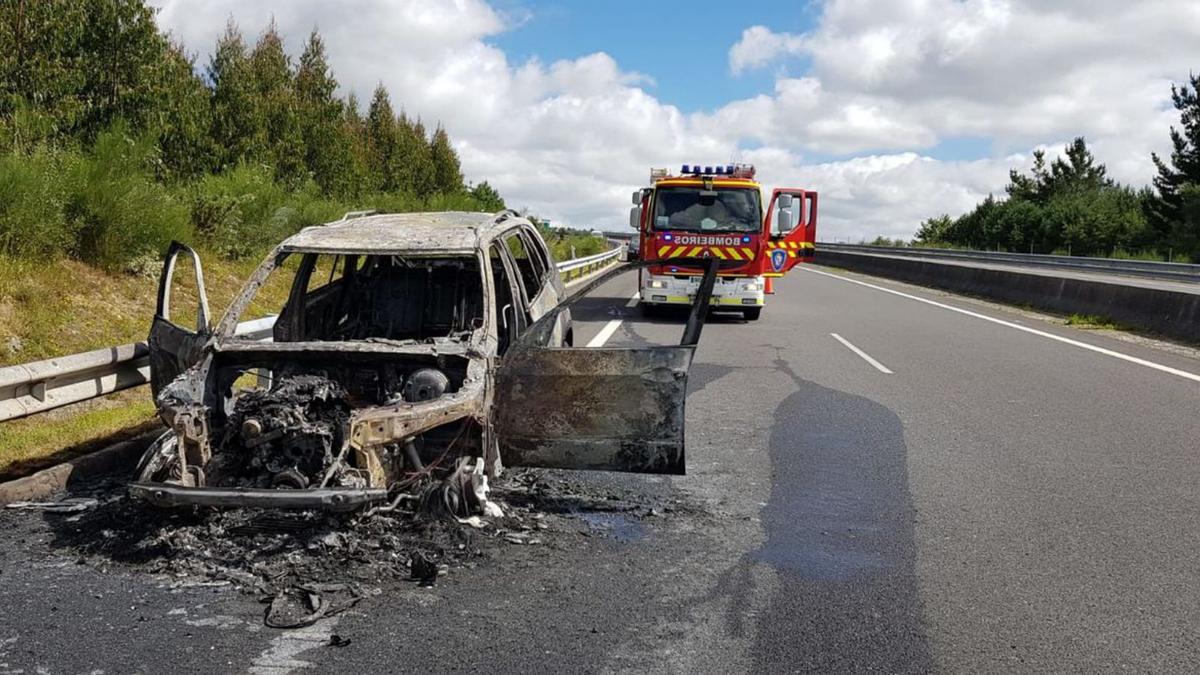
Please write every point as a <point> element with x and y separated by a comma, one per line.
<point>327,499</point>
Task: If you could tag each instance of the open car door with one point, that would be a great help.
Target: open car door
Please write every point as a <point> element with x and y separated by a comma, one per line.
<point>792,224</point>
<point>606,409</point>
<point>173,347</point>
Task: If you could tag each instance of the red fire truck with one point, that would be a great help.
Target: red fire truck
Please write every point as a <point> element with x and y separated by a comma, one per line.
<point>717,212</point>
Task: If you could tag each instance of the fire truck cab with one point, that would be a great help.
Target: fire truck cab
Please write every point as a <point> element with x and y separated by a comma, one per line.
<point>717,212</point>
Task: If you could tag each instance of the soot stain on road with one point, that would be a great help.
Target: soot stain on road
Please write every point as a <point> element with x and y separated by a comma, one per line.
<point>839,535</point>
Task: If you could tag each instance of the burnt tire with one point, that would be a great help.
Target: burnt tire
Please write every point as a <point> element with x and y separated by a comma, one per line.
<point>752,313</point>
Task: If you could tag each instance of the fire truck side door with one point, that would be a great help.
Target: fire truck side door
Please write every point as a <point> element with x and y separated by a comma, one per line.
<point>794,240</point>
<point>606,408</point>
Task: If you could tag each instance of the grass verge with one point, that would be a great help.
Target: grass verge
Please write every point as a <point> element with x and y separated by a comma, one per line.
<point>1092,322</point>
<point>34,443</point>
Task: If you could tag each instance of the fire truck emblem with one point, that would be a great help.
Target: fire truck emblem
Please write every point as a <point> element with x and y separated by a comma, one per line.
<point>778,259</point>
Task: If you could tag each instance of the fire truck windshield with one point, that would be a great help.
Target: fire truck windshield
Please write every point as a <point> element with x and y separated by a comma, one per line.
<point>695,210</point>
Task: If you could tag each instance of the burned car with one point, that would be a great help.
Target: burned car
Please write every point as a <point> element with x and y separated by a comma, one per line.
<point>414,356</point>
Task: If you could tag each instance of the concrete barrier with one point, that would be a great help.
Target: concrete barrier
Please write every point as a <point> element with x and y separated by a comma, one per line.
<point>1168,313</point>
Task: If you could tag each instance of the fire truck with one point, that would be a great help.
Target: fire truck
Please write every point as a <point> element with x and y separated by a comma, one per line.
<point>717,212</point>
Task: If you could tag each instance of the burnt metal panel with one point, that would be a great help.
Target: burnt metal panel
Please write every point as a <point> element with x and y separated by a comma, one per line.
<point>602,409</point>
<point>608,409</point>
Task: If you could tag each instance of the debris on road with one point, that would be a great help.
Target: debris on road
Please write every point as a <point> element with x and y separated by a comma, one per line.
<point>69,505</point>
<point>307,565</point>
<point>336,640</point>
<point>306,604</point>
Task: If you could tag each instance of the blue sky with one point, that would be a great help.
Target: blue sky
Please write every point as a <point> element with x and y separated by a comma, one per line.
<point>682,46</point>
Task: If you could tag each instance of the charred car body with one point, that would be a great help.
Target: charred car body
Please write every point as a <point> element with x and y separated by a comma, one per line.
<point>413,351</point>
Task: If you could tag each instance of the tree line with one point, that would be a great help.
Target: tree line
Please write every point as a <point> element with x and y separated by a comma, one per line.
<point>1070,205</point>
<point>113,141</point>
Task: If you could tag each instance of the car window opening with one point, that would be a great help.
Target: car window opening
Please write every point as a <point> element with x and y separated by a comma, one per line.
<point>382,297</point>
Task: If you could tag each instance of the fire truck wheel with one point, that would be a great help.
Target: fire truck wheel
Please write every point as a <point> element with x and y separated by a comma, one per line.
<point>752,313</point>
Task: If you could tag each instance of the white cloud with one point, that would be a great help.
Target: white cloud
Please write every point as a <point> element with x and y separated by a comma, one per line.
<point>886,81</point>
<point>1014,71</point>
<point>759,46</point>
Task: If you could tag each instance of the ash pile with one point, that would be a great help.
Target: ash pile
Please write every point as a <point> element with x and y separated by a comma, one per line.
<point>308,565</point>
<point>303,565</point>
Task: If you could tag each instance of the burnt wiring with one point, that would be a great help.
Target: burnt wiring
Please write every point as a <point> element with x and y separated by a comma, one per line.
<point>416,477</point>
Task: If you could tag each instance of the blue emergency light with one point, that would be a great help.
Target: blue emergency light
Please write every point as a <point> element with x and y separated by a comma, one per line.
<point>687,168</point>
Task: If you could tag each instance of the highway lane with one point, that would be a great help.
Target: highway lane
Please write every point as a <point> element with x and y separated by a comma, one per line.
<point>1000,500</point>
<point>1051,488</point>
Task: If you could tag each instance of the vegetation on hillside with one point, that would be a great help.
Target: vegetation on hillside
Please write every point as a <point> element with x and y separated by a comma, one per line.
<point>113,142</point>
<point>1070,205</point>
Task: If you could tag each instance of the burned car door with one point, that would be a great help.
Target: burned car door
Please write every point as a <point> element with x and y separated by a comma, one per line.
<point>173,347</point>
<point>607,409</point>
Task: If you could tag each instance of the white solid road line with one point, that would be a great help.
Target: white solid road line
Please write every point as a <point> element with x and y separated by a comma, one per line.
<point>865,356</point>
<point>605,333</point>
<point>1041,333</point>
<point>611,326</point>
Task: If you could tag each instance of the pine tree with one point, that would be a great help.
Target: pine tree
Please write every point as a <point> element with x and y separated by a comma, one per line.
<point>1078,171</point>
<point>418,164</point>
<point>327,149</point>
<point>1030,188</point>
<point>275,93</point>
<point>183,120</point>
<point>383,143</point>
<point>487,198</point>
<point>447,171</point>
<point>120,48</point>
<point>1170,209</point>
<point>39,70</point>
<point>238,125</point>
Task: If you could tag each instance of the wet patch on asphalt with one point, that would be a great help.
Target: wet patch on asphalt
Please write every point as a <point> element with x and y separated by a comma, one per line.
<point>839,537</point>
<point>839,533</point>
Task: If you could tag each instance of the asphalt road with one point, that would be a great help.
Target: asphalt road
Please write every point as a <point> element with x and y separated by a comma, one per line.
<point>976,490</point>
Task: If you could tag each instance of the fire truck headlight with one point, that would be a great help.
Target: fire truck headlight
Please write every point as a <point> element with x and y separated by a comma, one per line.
<point>657,283</point>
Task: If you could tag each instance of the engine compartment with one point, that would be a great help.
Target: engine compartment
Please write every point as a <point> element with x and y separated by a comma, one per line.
<point>282,420</point>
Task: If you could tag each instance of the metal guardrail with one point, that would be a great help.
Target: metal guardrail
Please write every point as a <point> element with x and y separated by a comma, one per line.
<point>36,387</point>
<point>45,385</point>
<point>573,269</point>
<point>1142,268</point>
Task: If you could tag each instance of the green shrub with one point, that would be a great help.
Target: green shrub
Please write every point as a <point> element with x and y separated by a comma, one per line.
<point>237,212</point>
<point>120,211</point>
<point>33,192</point>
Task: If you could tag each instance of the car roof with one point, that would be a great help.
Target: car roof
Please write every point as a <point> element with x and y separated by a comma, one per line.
<point>440,232</point>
